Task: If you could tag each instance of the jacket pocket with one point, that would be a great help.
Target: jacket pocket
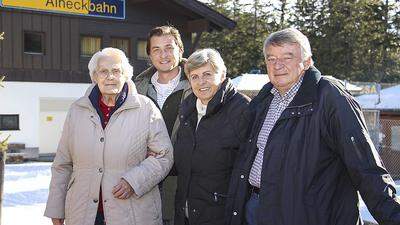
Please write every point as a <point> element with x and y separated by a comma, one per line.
<point>228,150</point>
<point>68,197</point>
<point>211,192</point>
<point>147,208</point>
<point>365,152</point>
<point>71,182</point>
<point>211,215</point>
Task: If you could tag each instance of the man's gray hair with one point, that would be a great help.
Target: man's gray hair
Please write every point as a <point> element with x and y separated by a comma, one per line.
<point>289,36</point>
<point>201,57</point>
<point>127,69</point>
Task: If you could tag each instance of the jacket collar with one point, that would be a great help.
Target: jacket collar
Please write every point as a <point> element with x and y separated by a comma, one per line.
<point>224,94</point>
<point>148,73</point>
<point>307,93</point>
<point>129,101</point>
<point>145,87</point>
<point>182,85</point>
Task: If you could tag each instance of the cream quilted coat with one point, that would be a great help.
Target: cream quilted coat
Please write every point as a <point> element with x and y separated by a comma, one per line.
<point>88,156</point>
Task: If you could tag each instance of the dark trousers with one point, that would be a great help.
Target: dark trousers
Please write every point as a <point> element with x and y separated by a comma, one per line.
<point>168,222</point>
<point>186,221</point>
<point>99,219</point>
<point>252,208</point>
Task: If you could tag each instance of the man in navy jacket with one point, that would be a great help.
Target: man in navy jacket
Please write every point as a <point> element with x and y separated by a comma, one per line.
<point>309,153</point>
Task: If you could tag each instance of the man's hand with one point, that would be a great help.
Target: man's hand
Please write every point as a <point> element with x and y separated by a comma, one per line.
<point>123,190</point>
<point>57,221</point>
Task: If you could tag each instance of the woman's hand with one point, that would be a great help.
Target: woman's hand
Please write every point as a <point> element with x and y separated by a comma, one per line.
<point>150,153</point>
<point>57,221</point>
<point>123,190</point>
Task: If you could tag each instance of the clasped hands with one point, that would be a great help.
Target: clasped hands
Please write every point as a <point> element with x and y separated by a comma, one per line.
<point>123,190</point>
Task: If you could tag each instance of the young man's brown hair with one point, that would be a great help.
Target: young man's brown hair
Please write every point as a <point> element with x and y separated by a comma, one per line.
<point>164,30</point>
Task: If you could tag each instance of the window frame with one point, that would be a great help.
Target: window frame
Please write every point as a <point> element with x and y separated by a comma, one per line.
<point>90,36</point>
<point>394,142</point>
<point>42,40</point>
<point>129,53</point>
<point>15,128</point>
<point>137,50</point>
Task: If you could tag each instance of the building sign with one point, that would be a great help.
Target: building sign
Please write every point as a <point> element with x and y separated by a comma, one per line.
<point>99,8</point>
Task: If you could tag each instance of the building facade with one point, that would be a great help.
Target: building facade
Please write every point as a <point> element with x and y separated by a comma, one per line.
<point>51,42</point>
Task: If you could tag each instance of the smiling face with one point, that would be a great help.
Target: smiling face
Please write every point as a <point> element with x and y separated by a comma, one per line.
<point>285,65</point>
<point>109,75</point>
<point>164,53</point>
<point>205,82</point>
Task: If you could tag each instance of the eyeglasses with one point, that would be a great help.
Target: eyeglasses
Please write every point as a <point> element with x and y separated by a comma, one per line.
<point>103,73</point>
<point>272,60</point>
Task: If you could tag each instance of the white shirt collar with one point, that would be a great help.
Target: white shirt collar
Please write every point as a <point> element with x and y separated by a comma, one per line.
<point>201,109</point>
<point>164,90</point>
<point>172,82</point>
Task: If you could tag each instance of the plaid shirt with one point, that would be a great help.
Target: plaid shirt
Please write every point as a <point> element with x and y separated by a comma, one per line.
<point>278,105</point>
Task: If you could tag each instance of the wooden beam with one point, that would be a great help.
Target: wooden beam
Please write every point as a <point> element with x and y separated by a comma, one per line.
<point>195,26</point>
<point>217,20</point>
<point>196,42</point>
<point>137,1</point>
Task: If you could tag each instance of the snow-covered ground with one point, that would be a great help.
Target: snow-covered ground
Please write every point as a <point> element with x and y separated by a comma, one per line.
<point>26,189</point>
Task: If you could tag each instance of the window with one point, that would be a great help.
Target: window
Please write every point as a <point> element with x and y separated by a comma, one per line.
<point>90,45</point>
<point>33,43</point>
<point>141,49</point>
<point>395,138</point>
<point>9,122</point>
<point>121,43</point>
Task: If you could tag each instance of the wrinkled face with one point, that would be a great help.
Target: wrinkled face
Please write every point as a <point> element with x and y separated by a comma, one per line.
<point>205,82</point>
<point>109,75</point>
<point>285,65</point>
<point>164,53</point>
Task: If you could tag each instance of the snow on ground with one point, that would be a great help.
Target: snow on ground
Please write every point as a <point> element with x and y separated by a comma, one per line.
<point>26,190</point>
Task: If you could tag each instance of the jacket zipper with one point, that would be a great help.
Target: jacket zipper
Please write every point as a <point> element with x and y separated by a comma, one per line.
<point>216,195</point>
<point>186,206</point>
<point>298,106</point>
<point>356,147</point>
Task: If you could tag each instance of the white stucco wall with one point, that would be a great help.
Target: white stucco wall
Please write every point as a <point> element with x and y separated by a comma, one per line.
<point>25,99</point>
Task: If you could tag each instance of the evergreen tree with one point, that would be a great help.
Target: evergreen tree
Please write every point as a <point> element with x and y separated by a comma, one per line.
<point>352,40</point>
<point>241,48</point>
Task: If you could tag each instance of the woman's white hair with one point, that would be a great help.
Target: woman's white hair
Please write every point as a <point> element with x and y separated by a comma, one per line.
<point>289,36</point>
<point>201,57</point>
<point>127,69</point>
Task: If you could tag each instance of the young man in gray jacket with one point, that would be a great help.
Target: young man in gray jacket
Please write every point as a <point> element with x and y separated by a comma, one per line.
<point>166,84</point>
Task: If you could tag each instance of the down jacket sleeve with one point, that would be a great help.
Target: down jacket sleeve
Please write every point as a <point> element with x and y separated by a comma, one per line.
<point>61,171</point>
<point>152,170</point>
<point>368,175</point>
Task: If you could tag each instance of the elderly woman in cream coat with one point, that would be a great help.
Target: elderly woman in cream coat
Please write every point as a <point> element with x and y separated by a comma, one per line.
<point>102,172</point>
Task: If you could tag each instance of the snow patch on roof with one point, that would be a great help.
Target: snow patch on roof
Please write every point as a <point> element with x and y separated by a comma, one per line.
<point>390,99</point>
<point>250,82</point>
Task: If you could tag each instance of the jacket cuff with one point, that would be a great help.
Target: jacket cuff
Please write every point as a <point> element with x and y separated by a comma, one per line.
<point>137,183</point>
<point>53,211</point>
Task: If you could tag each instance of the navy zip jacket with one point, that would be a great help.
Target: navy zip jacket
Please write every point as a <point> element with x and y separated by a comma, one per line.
<point>318,156</point>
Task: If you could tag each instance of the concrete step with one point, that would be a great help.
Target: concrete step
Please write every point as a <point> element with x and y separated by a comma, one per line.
<point>27,153</point>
